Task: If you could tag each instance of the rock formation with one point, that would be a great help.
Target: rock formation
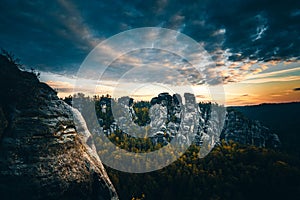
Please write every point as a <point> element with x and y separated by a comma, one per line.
<point>43,153</point>
<point>212,119</point>
<point>240,129</point>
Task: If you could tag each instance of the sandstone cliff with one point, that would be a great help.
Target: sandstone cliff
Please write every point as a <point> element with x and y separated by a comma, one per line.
<point>43,155</point>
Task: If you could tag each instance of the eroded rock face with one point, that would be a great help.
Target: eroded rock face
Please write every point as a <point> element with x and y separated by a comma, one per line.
<point>43,155</point>
<point>240,129</point>
<point>214,123</point>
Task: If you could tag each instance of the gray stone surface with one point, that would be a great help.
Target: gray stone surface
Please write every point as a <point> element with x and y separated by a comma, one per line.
<point>43,154</point>
<point>244,131</point>
<point>168,115</point>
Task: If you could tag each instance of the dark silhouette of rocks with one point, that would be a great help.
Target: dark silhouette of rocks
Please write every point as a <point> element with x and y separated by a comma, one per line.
<point>43,153</point>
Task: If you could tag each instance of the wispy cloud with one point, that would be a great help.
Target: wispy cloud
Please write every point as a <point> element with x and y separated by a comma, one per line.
<point>253,48</point>
<point>279,76</point>
<point>75,27</point>
<point>60,33</point>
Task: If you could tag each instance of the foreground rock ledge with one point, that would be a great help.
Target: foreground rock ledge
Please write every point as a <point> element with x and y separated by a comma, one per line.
<point>43,155</point>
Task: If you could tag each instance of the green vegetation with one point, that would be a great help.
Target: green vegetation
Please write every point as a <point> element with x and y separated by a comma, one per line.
<point>230,171</point>
<point>142,112</point>
<point>282,118</point>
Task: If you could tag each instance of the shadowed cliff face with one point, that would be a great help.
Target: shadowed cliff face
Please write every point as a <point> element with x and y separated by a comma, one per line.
<point>43,155</point>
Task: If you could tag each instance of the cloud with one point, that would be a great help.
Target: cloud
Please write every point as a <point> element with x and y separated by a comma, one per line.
<point>252,27</point>
<point>63,88</point>
<point>279,76</point>
<point>153,65</point>
<point>74,27</point>
<point>201,96</point>
<point>45,35</point>
<point>245,38</point>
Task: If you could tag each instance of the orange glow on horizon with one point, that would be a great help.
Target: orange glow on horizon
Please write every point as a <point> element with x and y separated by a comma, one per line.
<point>236,94</point>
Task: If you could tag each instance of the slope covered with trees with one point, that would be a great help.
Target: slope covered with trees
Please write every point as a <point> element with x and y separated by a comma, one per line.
<point>282,118</point>
<point>231,170</point>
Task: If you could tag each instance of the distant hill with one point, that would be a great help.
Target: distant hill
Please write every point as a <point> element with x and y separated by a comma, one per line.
<point>282,118</point>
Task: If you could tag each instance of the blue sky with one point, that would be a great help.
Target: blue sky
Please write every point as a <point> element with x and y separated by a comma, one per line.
<point>250,41</point>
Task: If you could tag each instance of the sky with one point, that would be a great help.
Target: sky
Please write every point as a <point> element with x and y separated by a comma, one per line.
<point>249,48</point>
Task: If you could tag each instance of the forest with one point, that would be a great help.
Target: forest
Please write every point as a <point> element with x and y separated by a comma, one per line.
<point>230,171</point>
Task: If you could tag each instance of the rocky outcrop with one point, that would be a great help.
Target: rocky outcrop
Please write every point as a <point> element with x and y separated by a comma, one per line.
<point>240,129</point>
<point>214,122</point>
<point>213,119</point>
<point>43,153</point>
